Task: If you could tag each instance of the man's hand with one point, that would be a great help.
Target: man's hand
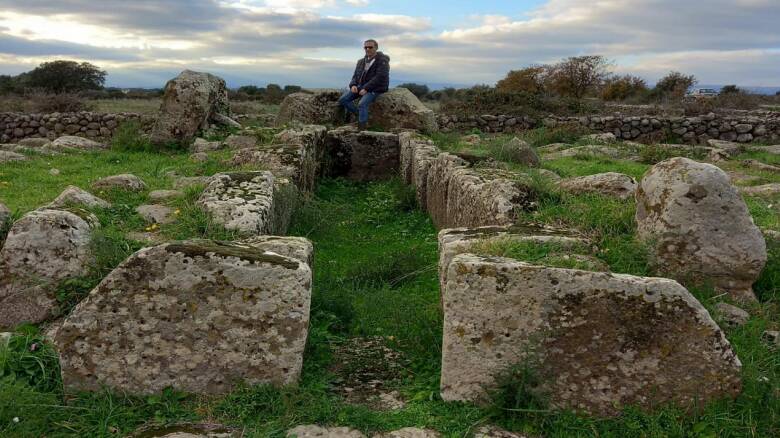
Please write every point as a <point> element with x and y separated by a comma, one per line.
<point>363,92</point>
<point>354,89</point>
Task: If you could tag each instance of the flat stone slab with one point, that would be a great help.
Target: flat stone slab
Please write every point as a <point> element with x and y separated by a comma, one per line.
<point>613,184</point>
<point>7,157</point>
<point>75,196</point>
<point>125,181</point>
<point>42,249</point>
<point>76,142</point>
<point>764,190</point>
<point>599,341</point>
<point>164,195</point>
<point>299,248</point>
<point>198,316</point>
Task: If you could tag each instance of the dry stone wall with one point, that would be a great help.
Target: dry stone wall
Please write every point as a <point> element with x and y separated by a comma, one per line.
<point>742,129</point>
<point>17,126</point>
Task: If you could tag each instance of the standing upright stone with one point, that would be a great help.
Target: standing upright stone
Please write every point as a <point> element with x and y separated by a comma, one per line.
<point>189,102</point>
<point>699,226</point>
<point>42,249</point>
<point>199,316</point>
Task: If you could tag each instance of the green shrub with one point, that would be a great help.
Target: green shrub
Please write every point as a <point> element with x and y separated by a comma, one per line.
<point>29,358</point>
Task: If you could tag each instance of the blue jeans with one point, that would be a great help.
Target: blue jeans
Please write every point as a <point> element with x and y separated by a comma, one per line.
<point>346,100</point>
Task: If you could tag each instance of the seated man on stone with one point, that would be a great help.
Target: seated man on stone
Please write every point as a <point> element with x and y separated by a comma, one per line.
<point>371,78</point>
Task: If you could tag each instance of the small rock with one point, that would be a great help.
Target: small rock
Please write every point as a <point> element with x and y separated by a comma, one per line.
<point>241,141</point>
<point>609,184</point>
<point>549,174</point>
<point>146,237</point>
<point>552,147</point>
<point>409,432</point>
<point>732,315</point>
<point>155,213</point>
<point>125,181</point>
<point>755,164</point>
<point>5,214</point>
<point>472,139</point>
<point>164,195</point>
<point>201,145</point>
<point>73,195</point>
<point>187,430</point>
<point>5,338</point>
<point>199,157</point>
<point>54,172</point>
<point>314,431</point>
<point>34,142</point>
<point>183,182</point>
<point>74,142</point>
<point>518,151</point>
<point>729,146</point>
<point>6,157</point>
<point>762,190</point>
<point>495,432</point>
<point>771,337</point>
<point>606,137</point>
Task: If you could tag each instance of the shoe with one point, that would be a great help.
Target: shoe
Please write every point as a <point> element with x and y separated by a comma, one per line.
<point>361,126</point>
<point>348,117</point>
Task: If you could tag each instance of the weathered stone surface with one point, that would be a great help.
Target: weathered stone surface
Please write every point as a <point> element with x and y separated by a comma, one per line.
<point>399,108</point>
<point>198,316</point>
<point>409,432</point>
<point>755,164</point>
<point>42,249</point>
<point>310,107</point>
<point>438,178</point>
<point>190,100</point>
<point>7,157</point>
<point>182,182</point>
<point>729,146</point>
<point>188,430</point>
<point>156,213</point>
<point>314,431</point>
<point>593,150</point>
<point>764,190</point>
<point>612,184</point>
<point>606,137</point>
<point>454,241</point>
<point>74,196</point>
<point>362,155</point>
<point>164,195</point>
<point>199,157</point>
<point>146,237</point>
<point>731,315</point>
<point>294,161</point>
<point>496,432</point>
<point>599,341</point>
<point>5,214</point>
<point>201,145</point>
<point>417,154</point>
<point>250,202</point>
<point>241,141</point>
<point>699,226</point>
<point>771,337</point>
<point>519,151</point>
<point>34,142</point>
<point>125,181</point>
<point>298,248</point>
<point>75,142</point>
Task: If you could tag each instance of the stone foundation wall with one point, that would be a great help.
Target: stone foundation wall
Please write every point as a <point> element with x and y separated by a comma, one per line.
<point>649,128</point>
<point>16,126</point>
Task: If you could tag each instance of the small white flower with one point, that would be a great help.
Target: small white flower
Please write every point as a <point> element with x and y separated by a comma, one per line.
<point>16,419</point>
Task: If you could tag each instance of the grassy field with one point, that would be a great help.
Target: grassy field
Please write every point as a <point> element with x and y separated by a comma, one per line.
<point>375,311</point>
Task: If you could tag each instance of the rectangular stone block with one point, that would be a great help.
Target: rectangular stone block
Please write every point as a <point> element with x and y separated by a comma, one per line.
<point>598,341</point>
<point>362,155</point>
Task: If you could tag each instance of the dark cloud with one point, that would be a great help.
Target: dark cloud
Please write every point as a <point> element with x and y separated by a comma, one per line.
<point>11,45</point>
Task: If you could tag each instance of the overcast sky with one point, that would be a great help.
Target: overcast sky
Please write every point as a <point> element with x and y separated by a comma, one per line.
<point>315,43</point>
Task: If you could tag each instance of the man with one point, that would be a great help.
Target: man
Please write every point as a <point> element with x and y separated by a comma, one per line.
<point>371,78</point>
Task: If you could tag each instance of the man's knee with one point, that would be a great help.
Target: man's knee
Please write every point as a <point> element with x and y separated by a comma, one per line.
<point>364,103</point>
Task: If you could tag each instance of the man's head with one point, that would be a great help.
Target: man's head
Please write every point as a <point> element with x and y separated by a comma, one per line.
<point>370,47</point>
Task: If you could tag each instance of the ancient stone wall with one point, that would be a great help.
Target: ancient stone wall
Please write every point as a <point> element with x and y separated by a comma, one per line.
<point>742,129</point>
<point>16,126</point>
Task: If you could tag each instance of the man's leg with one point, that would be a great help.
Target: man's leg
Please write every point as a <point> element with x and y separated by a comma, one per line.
<point>365,101</point>
<point>346,100</point>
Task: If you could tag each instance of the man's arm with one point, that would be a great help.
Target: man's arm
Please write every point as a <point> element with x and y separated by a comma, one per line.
<point>356,75</point>
<point>382,75</point>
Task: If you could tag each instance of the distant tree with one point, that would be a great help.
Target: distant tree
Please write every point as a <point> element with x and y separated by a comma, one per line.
<point>674,85</point>
<point>416,89</point>
<point>623,87</point>
<point>529,79</point>
<point>249,89</point>
<point>8,84</point>
<point>66,76</point>
<point>289,89</point>
<point>731,89</point>
<point>578,75</point>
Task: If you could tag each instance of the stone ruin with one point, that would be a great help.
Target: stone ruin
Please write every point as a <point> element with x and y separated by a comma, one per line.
<point>202,316</point>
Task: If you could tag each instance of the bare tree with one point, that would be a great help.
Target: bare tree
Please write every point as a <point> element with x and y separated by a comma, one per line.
<point>530,79</point>
<point>578,75</point>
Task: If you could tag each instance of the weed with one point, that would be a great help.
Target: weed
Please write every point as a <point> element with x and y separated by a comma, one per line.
<point>129,137</point>
<point>29,358</point>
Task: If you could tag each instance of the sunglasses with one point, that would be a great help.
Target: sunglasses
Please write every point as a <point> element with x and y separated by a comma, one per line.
<point>369,47</point>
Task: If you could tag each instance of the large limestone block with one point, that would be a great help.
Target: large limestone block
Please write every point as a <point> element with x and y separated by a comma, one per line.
<point>362,155</point>
<point>399,108</point>
<point>479,197</point>
<point>294,161</point>
<point>198,316</point>
<point>699,226</point>
<point>189,101</point>
<point>438,179</point>
<point>311,107</point>
<point>598,341</point>
<point>250,202</point>
<point>454,241</point>
<point>613,184</point>
<point>42,249</point>
<point>416,155</point>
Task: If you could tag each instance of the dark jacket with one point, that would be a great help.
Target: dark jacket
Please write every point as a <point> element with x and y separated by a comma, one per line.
<point>376,79</point>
